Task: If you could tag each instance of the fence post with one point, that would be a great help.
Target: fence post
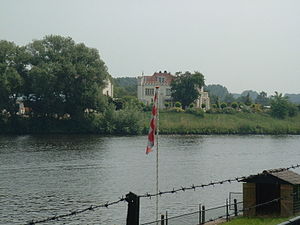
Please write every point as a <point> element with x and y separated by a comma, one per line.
<point>199,214</point>
<point>162,220</point>
<point>227,211</point>
<point>235,207</point>
<point>203,215</point>
<point>166,217</point>
<point>133,209</point>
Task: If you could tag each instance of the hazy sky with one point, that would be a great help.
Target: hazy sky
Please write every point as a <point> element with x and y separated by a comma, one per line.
<point>240,44</point>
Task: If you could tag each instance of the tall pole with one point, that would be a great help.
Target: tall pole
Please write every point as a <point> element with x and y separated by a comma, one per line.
<point>157,132</point>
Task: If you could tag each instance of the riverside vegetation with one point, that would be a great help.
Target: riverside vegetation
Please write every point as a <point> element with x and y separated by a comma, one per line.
<point>132,120</point>
<point>60,84</point>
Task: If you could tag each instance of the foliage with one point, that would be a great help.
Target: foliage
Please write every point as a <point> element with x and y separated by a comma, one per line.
<point>125,86</point>
<point>281,107</point>
<point>217,91</point>
<point>252,94</point>
<point>12,69</point>
<point>175,109</point>
<point>234,105</point>
<point>262,99</point>
<point>65,77</point>
<point>223,105</point>
<point>178,104</point>
<point>185,87</point>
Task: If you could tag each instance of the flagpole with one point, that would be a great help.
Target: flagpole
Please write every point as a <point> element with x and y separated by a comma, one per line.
<point>157,132</point>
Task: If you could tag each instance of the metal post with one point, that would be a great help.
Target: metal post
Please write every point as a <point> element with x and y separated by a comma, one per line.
<point>235,207</point>
<point>166,217</point>
<point>227,211</point>
<point>199,222</point>
<point>133,209</point>
<point>203,215</point>
<point>162,220</point>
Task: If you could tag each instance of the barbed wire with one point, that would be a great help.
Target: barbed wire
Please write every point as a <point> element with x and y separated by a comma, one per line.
<point>149,195</point>
<point>194,187</point>
<point>76,212</point>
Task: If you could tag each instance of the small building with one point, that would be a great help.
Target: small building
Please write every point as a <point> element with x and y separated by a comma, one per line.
<point>108,90</point>
<point>268,187</point>
<point>146,86</point>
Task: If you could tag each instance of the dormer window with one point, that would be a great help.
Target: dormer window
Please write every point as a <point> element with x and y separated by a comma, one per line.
<point>160,79</point>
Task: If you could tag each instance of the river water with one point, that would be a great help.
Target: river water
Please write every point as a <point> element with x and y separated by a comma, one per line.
<point>42,176</point>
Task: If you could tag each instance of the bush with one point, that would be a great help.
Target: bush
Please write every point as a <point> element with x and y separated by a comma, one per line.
<point>191,105</point>
<point>203,106</point>
<point>223,105</point>
<point>178,105</point>
<point>176,109</point>
<point>234,105</point>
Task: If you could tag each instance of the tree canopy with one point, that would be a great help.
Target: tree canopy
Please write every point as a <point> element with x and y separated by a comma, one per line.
<point>185,87</point>
<point>52,76</point>
<point>281,107</point>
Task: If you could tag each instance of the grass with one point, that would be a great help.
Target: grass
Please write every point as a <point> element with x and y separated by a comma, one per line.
<point>239,123</point>
<point>256,221</point>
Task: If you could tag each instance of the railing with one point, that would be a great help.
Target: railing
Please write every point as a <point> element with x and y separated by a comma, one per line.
<point>203,215</point>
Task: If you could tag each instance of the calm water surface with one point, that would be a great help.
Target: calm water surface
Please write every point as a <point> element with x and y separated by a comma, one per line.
<point>42,176</point>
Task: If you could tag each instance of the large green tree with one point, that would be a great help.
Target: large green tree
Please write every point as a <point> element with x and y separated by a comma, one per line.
<point>12,70</point>
<point>64,77</point>
<point>185,87</point>
<point>281,107</point>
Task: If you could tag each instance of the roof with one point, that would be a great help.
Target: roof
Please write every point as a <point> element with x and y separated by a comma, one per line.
<point>282,176</point>
<point>168,77</point>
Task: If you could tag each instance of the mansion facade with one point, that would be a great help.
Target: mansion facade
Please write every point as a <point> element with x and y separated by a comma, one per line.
<point>146,87</point>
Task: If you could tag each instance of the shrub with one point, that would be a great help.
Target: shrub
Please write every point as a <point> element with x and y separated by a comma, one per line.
<point>176,109</point>
<point>191,105</point>
<point>203,106</point>
<point>178,105</point>
<point>234,105</point>
<point>223,105</point>
<point>167,104</point>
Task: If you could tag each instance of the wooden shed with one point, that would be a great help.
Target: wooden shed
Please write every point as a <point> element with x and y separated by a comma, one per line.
<point>264,187</point>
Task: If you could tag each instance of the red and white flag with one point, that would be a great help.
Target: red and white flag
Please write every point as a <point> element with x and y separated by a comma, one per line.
<point>153,123</point>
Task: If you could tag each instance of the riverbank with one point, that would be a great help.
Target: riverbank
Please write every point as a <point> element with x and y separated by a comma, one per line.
<point>137,123</point>
<point>239,123</point>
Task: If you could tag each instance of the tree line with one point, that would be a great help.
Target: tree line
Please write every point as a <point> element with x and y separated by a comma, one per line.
<point>60,83</point>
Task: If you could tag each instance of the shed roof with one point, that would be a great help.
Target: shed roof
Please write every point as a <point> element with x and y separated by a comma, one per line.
<point>274,176</point>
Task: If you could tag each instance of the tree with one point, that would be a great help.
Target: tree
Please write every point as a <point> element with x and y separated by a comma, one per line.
<point>217,90</point>
<point>185,87</point>
<point>281,107</point>
<point>11,81</point>
<point>125,86</point>
<point>262,99</point>
<point>65,77</point>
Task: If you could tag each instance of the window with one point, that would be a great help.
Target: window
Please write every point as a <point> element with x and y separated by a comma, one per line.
<point>149,91</point>
<point>160,79</point>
